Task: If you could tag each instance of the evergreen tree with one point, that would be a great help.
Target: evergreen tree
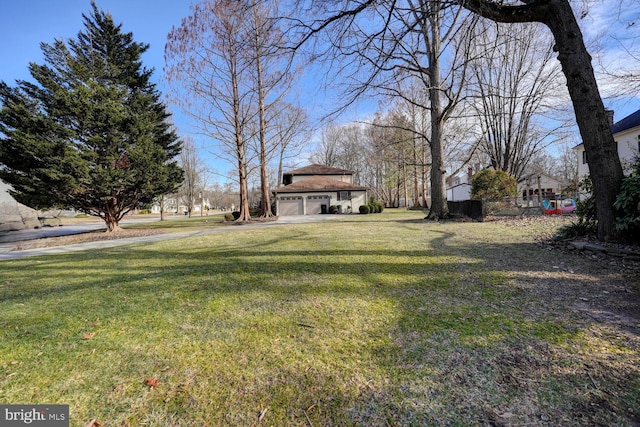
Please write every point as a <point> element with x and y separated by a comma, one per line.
<point>91,133</point>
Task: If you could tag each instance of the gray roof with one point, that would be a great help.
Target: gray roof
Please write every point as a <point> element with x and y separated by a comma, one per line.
<point>318,184</point>
<point>319,170</point>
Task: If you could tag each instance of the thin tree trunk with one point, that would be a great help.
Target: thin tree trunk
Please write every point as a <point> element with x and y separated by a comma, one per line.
<point>242,163</point>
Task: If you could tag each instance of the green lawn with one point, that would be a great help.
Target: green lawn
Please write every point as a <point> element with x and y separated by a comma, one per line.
<point>371,320</point>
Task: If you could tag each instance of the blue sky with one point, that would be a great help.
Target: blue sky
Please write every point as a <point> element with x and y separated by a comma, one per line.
<point>25,24</point>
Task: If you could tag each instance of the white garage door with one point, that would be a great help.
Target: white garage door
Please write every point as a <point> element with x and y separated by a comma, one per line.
<point>314,204</point>
<point>290,206</point>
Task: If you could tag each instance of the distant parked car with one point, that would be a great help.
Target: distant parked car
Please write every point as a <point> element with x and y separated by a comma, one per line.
<point>568,206</point>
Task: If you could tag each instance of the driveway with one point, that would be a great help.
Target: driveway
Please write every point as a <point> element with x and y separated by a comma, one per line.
<point>7,238</point>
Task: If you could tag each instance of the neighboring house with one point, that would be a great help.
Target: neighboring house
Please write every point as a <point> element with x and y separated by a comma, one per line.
<point>459,187</point>
<point>534,184</point>
<point>313,189</point>
<point>626,133</point>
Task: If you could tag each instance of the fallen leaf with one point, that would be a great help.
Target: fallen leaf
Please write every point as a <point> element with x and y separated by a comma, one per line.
<point>93,423</point>
<point>151,382</point>
<point>262,414</point>
<point>88,336</point>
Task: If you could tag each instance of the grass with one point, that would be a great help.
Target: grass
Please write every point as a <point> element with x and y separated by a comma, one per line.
<point>372,320</point>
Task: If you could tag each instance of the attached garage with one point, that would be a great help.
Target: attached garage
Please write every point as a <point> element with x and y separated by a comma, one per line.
<point>314,204</point>
<point>290,206</point>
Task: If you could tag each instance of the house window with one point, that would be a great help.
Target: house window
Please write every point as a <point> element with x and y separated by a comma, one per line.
<point>584,157</point>
<point>639,143</point>
<point>344,195</point>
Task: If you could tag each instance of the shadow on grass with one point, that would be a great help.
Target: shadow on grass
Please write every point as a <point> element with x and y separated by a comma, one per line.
<point>474,333</point>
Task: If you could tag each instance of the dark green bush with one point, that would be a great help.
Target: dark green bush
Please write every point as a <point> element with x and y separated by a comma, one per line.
<point>380,207</point>
<point>333,209</point>
<point>628,208</point>
<point>228,217</point>
<point>364,209</point>
<point>493,184</point>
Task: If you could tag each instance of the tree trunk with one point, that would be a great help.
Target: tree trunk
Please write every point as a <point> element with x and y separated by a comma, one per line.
<point>600,147</point>
<point>110,217</point>
<point>265,200</point>
<point>162,207</point>
<point>439,208</point>
<point>601,150</point>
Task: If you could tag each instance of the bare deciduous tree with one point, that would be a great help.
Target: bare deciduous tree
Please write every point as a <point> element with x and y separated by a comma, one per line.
<point>207,65</point>
<point>398,41</point>
<point>193,167</point>
<point>514,79</point>
<point>290,129</point>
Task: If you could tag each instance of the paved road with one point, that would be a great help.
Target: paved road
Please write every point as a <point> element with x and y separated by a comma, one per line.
<point>5,240</point>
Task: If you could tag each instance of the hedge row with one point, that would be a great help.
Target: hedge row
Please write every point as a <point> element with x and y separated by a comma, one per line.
<point>376,207</point>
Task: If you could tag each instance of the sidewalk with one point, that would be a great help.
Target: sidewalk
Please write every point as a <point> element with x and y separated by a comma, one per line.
<point>6,243</point>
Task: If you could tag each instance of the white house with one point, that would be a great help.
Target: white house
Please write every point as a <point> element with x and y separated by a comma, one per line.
<point>314,189</point>
<point>459,187</point>
<point>626,134</point>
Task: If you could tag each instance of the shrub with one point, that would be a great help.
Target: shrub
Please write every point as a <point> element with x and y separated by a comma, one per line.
<point>364,209</point>
<point>380,207</point>
<point>333,209</point>
<point>228,217</point>
<point>236,214</point>
<point>493,184</point>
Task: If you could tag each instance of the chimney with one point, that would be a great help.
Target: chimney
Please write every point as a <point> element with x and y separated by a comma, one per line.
<point>609,116</point>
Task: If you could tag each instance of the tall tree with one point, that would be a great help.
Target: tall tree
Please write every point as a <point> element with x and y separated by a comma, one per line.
<point>591,117</point>
<point>397,41</point>
<point>91,132</point>
<point>513,81</point>
<point>207,65</point>
<point>272,77</point>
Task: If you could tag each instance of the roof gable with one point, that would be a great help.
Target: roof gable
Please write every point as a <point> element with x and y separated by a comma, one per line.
<point>319,170</point>
<point>631,121</point>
